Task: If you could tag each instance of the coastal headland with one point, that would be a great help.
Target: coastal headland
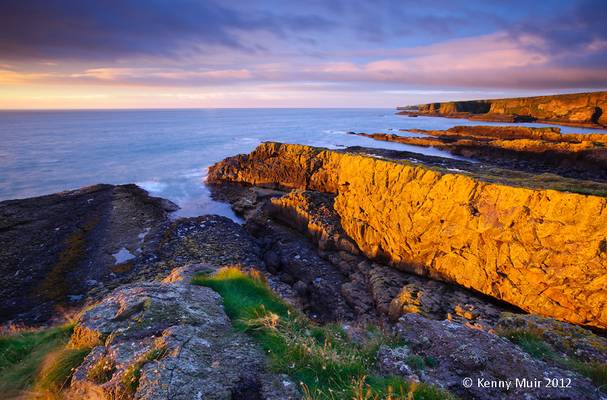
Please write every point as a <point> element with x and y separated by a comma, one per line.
<point>576,109</point>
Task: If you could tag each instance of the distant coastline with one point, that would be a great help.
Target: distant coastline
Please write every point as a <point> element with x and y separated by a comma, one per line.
<point>588,110</point>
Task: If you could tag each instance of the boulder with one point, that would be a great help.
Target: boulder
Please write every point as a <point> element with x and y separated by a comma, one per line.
<point>171,339</point>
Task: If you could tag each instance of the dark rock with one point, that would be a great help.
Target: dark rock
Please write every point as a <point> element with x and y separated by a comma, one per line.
<point>53,245</point>
<point>272,260</point>
<point>459,352</point>
<point>207,239</point>
<point>301,288</point>
<point>571,340</point>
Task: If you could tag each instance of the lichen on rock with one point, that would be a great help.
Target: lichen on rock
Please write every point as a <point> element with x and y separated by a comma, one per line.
<point>170,339</point>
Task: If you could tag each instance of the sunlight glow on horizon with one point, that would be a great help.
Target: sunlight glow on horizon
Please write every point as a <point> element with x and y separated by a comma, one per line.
<point>271,53</point>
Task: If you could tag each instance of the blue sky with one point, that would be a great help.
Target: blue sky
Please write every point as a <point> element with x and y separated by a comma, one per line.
<point>351,53</point>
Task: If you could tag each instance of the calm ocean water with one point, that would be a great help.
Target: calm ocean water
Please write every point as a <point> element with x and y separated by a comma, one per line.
<point>167,152</point>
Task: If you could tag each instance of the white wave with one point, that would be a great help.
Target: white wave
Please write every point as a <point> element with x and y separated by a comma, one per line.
<point>152,186</point>
<point>196,173</point>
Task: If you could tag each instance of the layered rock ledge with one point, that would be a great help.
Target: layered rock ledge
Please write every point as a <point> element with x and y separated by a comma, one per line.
<point>579,109</point>
<point>537,150</point>
<point>544,251</point>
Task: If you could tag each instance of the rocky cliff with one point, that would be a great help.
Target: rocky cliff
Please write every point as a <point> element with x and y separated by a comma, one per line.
<point>537,150</point>
<point>582,109</point>
<point>542,250</point>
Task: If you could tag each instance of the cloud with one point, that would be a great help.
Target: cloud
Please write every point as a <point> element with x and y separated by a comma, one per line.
<point>489,61</point>
<point>83,30</point>
<point>574,36</point>
<point>341,45</point>
<point>10,77</point>
<point>158,75</point>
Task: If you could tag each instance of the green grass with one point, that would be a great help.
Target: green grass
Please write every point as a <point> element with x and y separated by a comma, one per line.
<point>22,354</point>
<point>321,358</point>
<point>533,344</point>
<point>596,371</point>
<point>37,361</point>
<point>58,368</point>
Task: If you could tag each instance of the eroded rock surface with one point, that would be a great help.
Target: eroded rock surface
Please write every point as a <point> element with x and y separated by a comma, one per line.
<point>542,250</point>
<point>58,249</point>
<point>537,150</point>
<point>458,352</point>
<point>169,340</point>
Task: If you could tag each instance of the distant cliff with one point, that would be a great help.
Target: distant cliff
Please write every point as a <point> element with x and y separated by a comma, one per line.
<point>541,250</point>
<point>579,109</point>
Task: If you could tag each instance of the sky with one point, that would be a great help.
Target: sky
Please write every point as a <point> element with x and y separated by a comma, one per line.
<point>313,53</point>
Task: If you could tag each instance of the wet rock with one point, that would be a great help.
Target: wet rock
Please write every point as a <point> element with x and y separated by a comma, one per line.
<point>356,293</point>
<point>301,288</point>
<point>207,239</point>
<point>459,352</point>
<point>272,260</point>
<point>53,245</point>
<point>170,339</point>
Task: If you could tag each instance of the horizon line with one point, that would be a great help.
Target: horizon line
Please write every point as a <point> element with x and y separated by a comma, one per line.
<point>395,108</point>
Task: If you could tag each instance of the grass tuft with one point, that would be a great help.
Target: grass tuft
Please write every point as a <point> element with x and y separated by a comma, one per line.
<point>22,354</point>
<point>321,358</point>
<point>102,371</point>
<point>533,344</point>
<point>37,361</point>
<point>57,369</point>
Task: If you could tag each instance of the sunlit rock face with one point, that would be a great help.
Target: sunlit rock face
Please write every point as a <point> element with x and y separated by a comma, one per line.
<point>577,109</point>
<point>542,250</point>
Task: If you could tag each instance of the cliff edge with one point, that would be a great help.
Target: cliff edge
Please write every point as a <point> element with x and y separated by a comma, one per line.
<point>544,251</point>
<point>578,109</point>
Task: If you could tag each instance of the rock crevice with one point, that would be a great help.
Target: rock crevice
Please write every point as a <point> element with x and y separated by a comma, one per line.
<point>539,250</point>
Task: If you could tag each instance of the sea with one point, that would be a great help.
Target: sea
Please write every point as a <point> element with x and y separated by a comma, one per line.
<point>168,152</point>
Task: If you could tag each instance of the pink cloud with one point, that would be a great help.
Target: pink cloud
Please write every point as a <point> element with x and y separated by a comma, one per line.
<point>125,74</point>
<point>490,61</point>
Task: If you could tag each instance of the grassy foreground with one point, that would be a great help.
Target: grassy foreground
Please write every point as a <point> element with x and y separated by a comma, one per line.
<point>321,358</point>
<point>38,362</point>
